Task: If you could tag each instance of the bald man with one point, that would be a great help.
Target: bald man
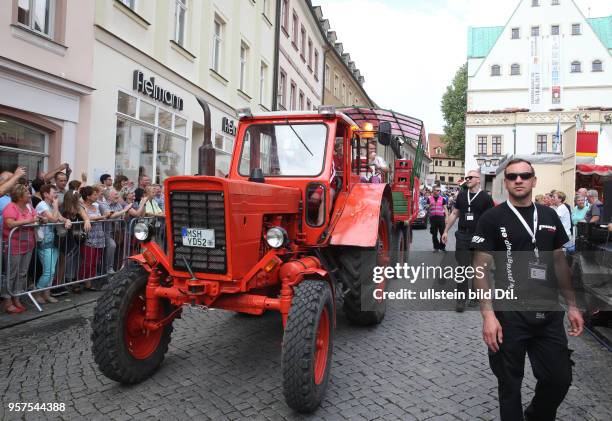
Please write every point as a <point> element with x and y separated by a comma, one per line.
<point>468,207</point>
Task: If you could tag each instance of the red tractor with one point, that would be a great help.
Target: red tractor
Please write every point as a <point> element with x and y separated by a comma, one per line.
<point>292,228</point>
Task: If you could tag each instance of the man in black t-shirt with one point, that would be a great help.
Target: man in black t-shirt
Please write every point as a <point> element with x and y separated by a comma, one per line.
<point>525,241</point>
<point>470,204</point>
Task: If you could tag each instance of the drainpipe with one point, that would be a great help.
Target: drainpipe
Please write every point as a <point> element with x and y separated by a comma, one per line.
<point>276,58</point>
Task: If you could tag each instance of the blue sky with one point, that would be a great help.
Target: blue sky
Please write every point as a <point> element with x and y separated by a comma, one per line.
<point>409,50</point>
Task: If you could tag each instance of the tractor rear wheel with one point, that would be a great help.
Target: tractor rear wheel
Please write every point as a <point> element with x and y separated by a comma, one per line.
<point>122,348</point>
<point>307,345</point>
<point>357,270</point>
<point>401,243</point>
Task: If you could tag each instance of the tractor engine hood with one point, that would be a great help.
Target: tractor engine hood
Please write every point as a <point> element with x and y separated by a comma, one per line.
<point>192,202</point>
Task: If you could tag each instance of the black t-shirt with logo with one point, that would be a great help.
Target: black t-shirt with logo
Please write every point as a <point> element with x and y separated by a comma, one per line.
<point>501,233</point>
<point>481,202</point>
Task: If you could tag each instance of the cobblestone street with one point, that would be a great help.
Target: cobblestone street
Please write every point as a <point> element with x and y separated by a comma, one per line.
<point>414,366</point>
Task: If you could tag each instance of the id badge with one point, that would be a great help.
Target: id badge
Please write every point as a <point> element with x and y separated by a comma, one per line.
<point>537,271</point>
<point>469,216</point>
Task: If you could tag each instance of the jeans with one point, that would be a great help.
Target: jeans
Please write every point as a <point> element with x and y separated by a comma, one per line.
<point>546,345</point>
<point>48,257</point>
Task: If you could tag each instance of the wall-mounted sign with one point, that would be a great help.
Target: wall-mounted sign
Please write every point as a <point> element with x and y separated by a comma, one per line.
<point>149,88</point>
<point>228,126</point>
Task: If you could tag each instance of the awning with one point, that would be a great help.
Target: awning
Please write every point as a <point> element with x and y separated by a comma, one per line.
<point>601,170</point>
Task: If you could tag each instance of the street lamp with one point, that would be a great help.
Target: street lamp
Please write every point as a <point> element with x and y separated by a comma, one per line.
<point>488,162</point>
<point>480,161</point>
<point>495,162</point>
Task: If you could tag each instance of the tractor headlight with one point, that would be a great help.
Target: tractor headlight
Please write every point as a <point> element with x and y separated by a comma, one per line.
<point>142,231</point>
<point>421,214</point>
<point>276,237</point>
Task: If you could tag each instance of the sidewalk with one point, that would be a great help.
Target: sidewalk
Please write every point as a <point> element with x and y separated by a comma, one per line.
<point>66,302</point>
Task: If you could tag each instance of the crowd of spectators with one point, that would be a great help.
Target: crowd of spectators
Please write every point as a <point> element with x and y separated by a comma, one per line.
<point>67,231</point>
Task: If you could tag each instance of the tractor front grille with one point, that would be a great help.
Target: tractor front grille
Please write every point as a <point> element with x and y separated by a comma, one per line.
<point>198,209</point>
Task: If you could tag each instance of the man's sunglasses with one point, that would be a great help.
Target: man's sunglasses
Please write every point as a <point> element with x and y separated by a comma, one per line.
<point>469,177</point>
<point>512,176</point>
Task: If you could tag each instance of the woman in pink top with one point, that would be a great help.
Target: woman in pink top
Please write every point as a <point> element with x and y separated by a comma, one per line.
<point>17,213</point>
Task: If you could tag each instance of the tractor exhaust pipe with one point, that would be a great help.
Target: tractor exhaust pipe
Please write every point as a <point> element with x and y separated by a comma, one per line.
<point>206,151</point>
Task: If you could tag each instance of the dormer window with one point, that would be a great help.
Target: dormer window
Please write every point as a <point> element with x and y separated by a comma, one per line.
<point>535,3</point>
<point>516,33</point>
<point>576,29</point>
<point>496,70</point>
<point>576,67</point>
<point>597,66</point>
<point>515,69</point>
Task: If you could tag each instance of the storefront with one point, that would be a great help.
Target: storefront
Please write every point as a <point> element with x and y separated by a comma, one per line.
<point>154,119</point>
<point>22,145</point>
<point>41,118</point>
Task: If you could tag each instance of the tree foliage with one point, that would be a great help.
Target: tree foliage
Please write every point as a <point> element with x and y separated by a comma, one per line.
<point>454,108</point>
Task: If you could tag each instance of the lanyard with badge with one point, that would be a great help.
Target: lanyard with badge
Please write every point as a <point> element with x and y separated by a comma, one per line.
<point>469,216</point>
<point>537,271</point>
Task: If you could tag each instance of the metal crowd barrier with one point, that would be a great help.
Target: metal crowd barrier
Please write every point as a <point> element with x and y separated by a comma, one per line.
<point>42,257</point>
<point>32,263</point>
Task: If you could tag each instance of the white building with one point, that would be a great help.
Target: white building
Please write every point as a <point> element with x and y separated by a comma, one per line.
<point>301,49</point>
<point>546,69</point>
<point>151,60</point>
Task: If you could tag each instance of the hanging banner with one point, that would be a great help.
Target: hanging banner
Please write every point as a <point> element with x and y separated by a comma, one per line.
<point>535,75</point>
<point>555,69</point>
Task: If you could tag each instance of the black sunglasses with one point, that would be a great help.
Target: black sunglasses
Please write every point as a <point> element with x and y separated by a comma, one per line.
<point>512,176</point>
<point>469,177</point>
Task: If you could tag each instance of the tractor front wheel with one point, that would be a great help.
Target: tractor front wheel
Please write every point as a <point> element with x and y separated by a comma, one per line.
<point>357,270</point>
<point>307,345</point>
<point>123,349</point>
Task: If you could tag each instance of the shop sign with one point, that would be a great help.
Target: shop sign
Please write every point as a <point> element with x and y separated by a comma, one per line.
<point>228,126</point>
<point>149,88</point>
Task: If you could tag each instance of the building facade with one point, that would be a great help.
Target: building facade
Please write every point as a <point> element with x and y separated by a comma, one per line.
<point>301,45</point>
<point>342,80</point>
<point>152,59</point>
<point>446,170</point>
<point>46,79</point>
<point>547,69</point>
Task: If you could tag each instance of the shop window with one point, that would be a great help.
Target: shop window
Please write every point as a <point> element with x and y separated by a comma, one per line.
<point>149,140</point>
<point>126,104</point>
<point>22,145</point>
<point>38,15</point>
<point>165,119</point>
<point>147,112</point>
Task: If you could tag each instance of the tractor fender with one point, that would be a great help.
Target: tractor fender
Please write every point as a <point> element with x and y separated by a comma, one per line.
<point>358,220</point>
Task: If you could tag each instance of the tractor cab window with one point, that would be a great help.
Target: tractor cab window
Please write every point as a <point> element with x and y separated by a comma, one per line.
<point>282,150</point>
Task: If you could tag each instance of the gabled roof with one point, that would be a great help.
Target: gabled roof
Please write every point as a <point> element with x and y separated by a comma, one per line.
<point>481,40</point>
<point>603,28</point>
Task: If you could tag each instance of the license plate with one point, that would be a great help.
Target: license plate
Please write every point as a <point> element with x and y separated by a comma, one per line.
<point>198,237</point>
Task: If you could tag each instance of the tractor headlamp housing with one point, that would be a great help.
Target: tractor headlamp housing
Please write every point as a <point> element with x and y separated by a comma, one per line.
<point>277,237</point>
<point>143,231</point>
